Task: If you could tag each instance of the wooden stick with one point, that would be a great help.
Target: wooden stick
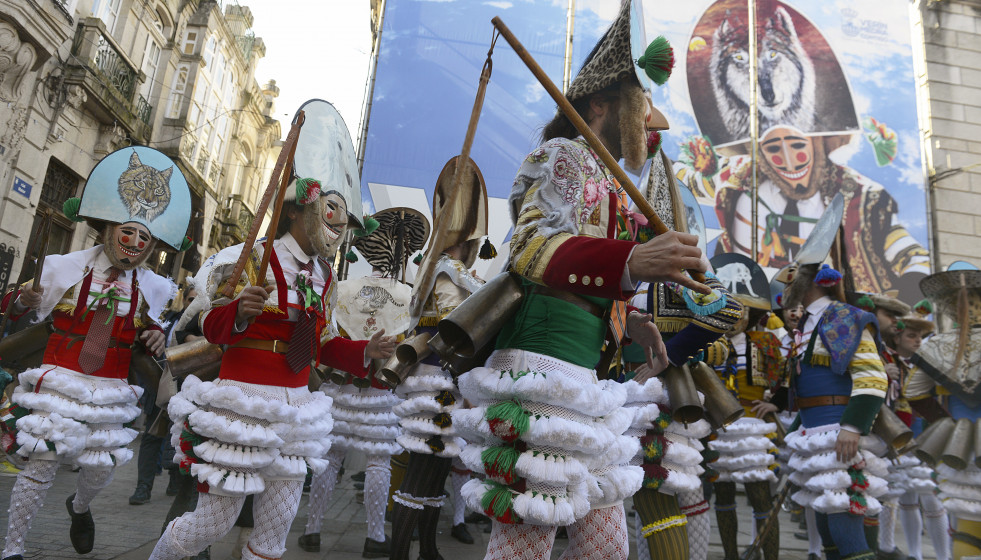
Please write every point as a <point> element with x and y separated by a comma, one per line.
<point>274,179</point>
<point>278,209</point>
<point>45,236</point>
<point>594,142</point>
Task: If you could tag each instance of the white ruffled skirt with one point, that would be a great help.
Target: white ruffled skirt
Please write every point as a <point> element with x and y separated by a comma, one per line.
<point>363,419</point>
<point>233,436</point>
<point>75,418</point>
<point>425,415</point>
<point>549,437</point>
<point>830,486</point>
<point>746,453</point>
<point>960,491</point>
<point>670,452</point>
<point>909,474</point>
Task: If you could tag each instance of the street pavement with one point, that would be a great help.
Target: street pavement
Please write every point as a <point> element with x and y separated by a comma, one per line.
<point>128,532</point>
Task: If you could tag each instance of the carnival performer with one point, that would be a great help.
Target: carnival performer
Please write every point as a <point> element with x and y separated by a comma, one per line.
<point>754,367</point>
<point>258,428</point>
<point>949,362</point>
<point>548,435</point>
<point>671,503</point>
<point>839,383</point>
<point>363,417</point>
<point>428,432</point>
<point>75,408</point>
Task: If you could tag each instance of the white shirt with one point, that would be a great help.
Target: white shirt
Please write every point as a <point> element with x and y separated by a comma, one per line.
<point>291,260</point>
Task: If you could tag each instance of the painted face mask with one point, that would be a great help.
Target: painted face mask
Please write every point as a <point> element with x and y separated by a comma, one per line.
<point>128,245</point>
<point>789,154</point>
<point>326,222</point>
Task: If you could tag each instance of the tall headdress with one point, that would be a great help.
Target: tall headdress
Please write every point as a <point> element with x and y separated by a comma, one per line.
<point>141,185</point>
<point>400,233</point>
<point>466,220</point>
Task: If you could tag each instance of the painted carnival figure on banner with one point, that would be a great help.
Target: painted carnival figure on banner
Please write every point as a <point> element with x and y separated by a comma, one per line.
<point>76,407</point>
<point>258,429</point>
<point>806,113</point>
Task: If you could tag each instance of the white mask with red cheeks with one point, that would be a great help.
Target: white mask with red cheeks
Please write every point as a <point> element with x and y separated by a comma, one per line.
<point>128,245</point>
<point>326,223</point>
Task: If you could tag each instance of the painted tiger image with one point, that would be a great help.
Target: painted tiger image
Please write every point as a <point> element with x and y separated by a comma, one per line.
<point>145,191</point>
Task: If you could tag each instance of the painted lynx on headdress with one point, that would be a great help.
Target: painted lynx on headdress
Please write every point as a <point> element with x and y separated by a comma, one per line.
<point>145,191</point>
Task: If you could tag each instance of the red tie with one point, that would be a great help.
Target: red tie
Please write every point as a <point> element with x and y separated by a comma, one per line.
<point>93,354</point>
<point>302,342</point>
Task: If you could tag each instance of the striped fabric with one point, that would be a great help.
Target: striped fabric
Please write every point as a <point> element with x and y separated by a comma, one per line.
<point>866,369</point>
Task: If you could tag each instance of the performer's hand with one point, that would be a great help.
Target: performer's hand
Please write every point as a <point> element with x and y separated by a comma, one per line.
<point>892,370</point>
<point>155,341</point>
<point>380,346</point>
<point>31,299</point>
<point>762,408</point>
<point>644,332</point>
<point>250,303</point>
<point>645,372</point>
<point>847,446</point>
<point>664,258</point>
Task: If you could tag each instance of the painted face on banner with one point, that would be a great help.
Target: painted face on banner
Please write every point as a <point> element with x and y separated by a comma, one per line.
<point>128,245</point>
<point>790,153</point>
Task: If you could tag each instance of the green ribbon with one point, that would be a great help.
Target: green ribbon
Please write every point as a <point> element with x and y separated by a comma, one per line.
<point>311,298</point>
<point>773,222</point>
<point>110,298</point>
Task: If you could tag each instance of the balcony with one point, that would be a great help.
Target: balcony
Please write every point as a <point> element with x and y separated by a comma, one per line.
<point>236,220</point>
<point>110,79</point>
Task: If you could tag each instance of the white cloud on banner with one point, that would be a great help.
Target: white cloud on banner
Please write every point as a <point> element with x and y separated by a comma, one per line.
<point>500,5</point>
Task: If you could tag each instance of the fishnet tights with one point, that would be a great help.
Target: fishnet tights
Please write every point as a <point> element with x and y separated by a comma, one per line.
<point>190,533</point>
<point>600,535</point>
<point>887,526</point>
<point>274,512</point>
<point>698,525</point>
<point>321,489</point>
<point>90,481</point>
<point>26,499</point>
<point>377,478</point>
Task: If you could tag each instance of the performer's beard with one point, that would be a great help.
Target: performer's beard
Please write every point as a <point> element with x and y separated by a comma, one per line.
<point>325,233</point>
<point>794,294</point>
<point>125,255</point>
<point>632,126</point>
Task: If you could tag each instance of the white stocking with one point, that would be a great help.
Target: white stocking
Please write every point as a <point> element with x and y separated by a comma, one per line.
<point>909,516</point>
<point>26,499</point>
<point>937,524</point>
<point>90,481</point>
<point>887,526</point>
<point>601,535</point>
<point>321,489</point>
<point>814,544</point>
<point>377,479</point>
<point>520,542</point>
<point>274,511</point>
<point>694,506</point>
<point>458,479</point>
<point>192,532</point>
<point>643,550</point>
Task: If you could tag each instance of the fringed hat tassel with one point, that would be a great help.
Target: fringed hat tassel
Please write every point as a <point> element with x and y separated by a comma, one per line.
<point>487,250</point>
<point>827,277</point>
<point>658,60</point>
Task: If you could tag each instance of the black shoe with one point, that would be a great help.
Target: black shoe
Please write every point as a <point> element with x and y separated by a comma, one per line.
<point>561,533</point>
<point>359,486</point>
<point>376,549</point>
<point>895,554</point>
<point>140,497</point>
<point>173,485</point>
<point>82,531</point>
<point>14,557</point>
<point>460,533</point>
<point>203,555</point>
<point>310,543</point>
<point>358,476</point>
<point>801,536</point>
<point>476,517</point>
<point>813,556</point>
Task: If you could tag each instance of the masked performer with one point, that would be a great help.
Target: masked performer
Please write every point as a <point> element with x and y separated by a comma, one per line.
<point>363,418</point>
<point>75,407</point>
<point>430,393</point>
<point>547,434</point>
<point>671,503</point>
<point>840,383</point>
<point>258,428</point>
<point>948,362</point>
<point>754,366</point>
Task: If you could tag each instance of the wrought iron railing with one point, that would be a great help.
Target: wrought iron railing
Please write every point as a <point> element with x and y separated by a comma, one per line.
<point>143,109</point>
<point>105,60</point>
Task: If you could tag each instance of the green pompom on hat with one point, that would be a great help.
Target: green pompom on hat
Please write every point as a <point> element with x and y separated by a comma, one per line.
<point>70,208</point>
<point>351,257</point>
<point>370,225</point>
<point>186,244</point>
<point>658,60</point>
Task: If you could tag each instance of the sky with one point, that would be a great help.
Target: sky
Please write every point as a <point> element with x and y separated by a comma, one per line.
<point>315,49</point>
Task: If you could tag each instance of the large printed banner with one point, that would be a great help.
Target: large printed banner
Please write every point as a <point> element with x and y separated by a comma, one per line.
<point>835,98</point>
<point>836,113</point>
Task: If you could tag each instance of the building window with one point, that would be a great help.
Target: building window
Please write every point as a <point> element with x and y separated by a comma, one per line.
<point>108,12</point>
<point>151,60</point>
<point>60,184</point>
<point>190,42</point>
<point>177,97</point>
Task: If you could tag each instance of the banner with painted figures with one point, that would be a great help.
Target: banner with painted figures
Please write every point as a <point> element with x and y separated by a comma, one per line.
<point>836,112</point>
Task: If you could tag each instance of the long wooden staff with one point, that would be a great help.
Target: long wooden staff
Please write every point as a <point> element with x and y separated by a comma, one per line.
<point>44,233</point>
<point>594,142</point>
<point>278,209</point>
<point>280,176</point>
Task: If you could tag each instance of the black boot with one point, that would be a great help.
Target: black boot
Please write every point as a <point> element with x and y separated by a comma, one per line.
<point>310,543</point>
<point>82,531</point>
<point>140,496</point>
<point>376,549</point>
<point>460,533</point>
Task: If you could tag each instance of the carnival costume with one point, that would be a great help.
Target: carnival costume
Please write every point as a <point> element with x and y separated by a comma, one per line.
<point>753,367</point>
<point>258,429</point>
<point>839,383</point>
<point>948,362</point>
<point>76,407</point>
<point>363,417</point>
<point>671,502</point>
<point>430,394</point>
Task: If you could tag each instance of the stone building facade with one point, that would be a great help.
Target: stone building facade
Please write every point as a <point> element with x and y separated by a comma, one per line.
<point>82,78</point>
<point>948,33</point>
